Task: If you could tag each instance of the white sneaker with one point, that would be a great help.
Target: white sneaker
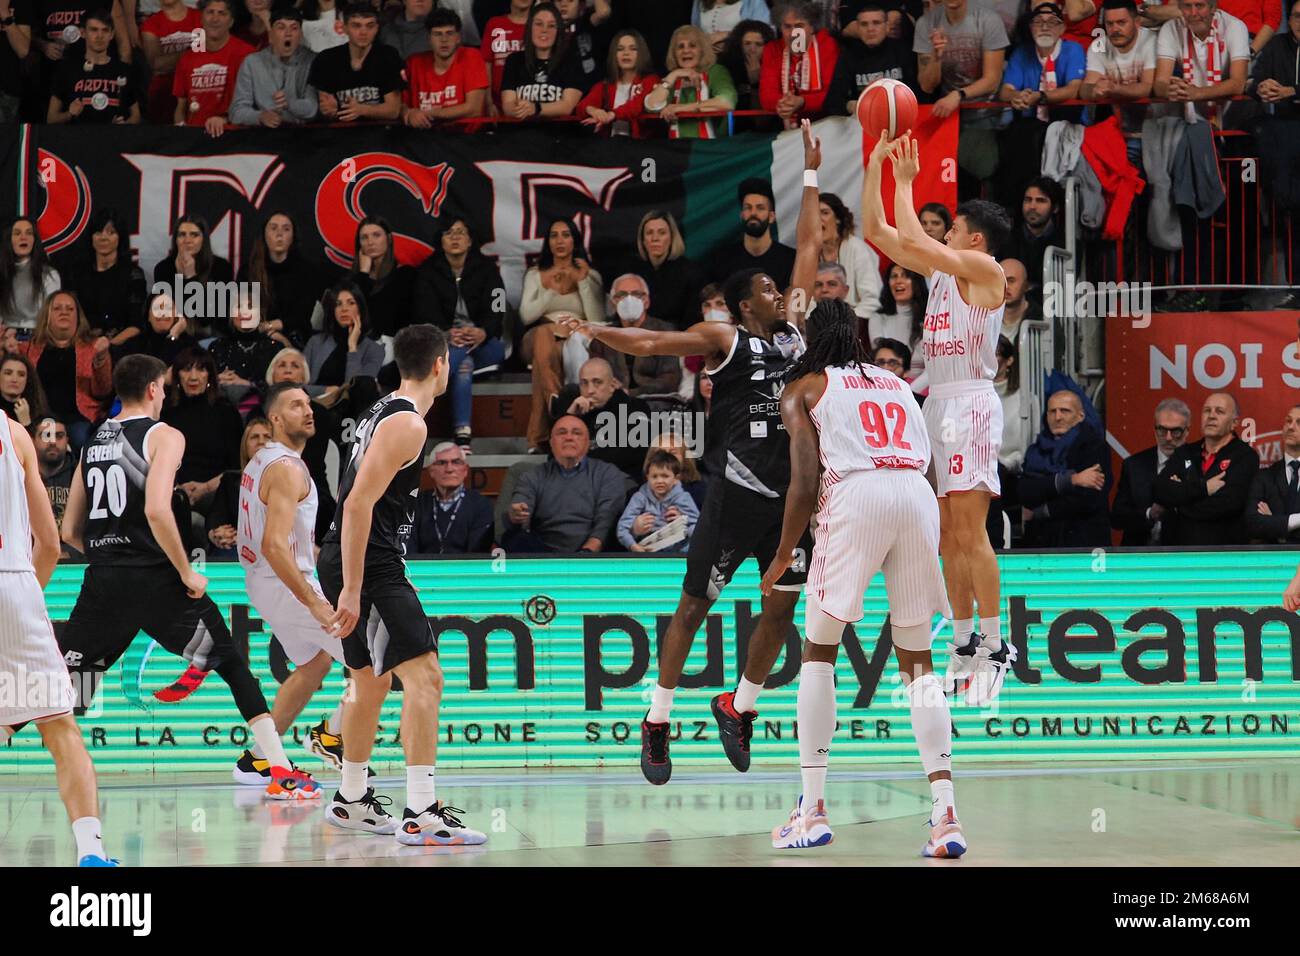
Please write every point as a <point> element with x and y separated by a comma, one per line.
<point>437,826</point>
<point>978,669</point>
<point>366,813</point>
<point>804,830</point>
<point>946,839</point>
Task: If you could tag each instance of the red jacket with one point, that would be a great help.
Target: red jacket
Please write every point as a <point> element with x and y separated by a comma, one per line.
<point>1107,153</point>
<point>602,96</point>
<point>94,382</point>
<point>1256,14</point>
<point>821,67</point>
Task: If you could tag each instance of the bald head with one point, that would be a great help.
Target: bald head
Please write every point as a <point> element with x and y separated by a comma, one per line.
<point>1219,416</point>
<point>570,440</point>
<point>1017,281</point>
<point>1064,411</point>
<point>596,382</point>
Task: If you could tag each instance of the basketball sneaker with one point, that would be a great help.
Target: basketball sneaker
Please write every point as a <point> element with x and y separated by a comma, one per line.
<point>292,784</point>
<point>321,743</point>
<point>252,771</point>
<point>734,729</point>
<point>946,839</point>
<point>804,830</point>
<point>183,686</point>
<point>978,668</point>
<point>656,766</point>
<point>91,860</point>
<point>437,826</point>
<point>367,813</point>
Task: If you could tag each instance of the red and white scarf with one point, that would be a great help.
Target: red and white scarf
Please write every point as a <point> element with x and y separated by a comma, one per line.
<point>704,128</point>
<point>1216,49</point>
<point>801,72</point>
<point>1047,78</point>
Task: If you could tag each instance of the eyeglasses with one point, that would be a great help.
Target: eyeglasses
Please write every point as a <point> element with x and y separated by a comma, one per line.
<point>1047,22</point>
<point>890,363</point>
<point>1171,432</point>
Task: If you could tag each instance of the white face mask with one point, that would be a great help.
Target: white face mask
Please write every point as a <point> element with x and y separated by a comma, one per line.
<point>630,308</point>
<point>717,315</point>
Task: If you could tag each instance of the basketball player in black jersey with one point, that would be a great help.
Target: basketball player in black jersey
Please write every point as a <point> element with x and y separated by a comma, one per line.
<point>362,571</point>
<point>748,475</point>
<point>119,514</point>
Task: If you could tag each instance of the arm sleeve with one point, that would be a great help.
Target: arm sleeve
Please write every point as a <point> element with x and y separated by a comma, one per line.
<point>479,539</point>
<point>527,487</point>
<point>101,378</point>
<point>829,51</point>
<point>769,77</point>
<point>593,98</point>
<point>592,292</point>
<point>687,506</point>
<point>1230,501</point>
<point>366,361</point>
<point>536,298</point>
<point>243,106</point>
<point>306,104</point>
<point>721,85</point>
<point>635,106</point>
<point>1073,65</point>
<point>609,498</point>
<point>1036,490</point>
<point>490,319</point>
<point>426,298</point>
<point>220,513</point>
<point>1126,514</point>
<point>1076,503</point>
<point>634,508</point>
<point>1176,494</point>
<point>1271,527</point>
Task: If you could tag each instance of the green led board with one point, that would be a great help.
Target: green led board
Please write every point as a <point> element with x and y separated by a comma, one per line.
<point>549,662</point>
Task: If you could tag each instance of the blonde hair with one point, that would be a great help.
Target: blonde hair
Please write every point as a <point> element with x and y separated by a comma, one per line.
<point>41,334</point>
<point>270,369</point>
<point>707,56</point>
<point>676,248</point>
<point>257,422</point>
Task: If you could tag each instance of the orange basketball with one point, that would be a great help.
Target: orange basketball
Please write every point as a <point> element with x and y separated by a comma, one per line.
<point>887,106</point>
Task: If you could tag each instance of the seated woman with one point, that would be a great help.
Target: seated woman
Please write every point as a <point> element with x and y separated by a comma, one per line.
<point>242,356</point>
<point>210,424</point>
<point>191,258</point>
<point>563,283</point>
<point>110,286</point>
<point>74,367</point>
<point>223,516</point>
<point>696,83</point>
<point>290,285</point>
<point>21,395</point>
<point>27,276</point>
<point>458,289</point>
<point>164,336</point>
<point>342,354</point>
<point>859,261</point>
<point>388,286</point>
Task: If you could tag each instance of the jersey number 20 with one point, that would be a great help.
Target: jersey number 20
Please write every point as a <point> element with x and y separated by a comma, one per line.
<point>110,483</point>
<point>876,422</point>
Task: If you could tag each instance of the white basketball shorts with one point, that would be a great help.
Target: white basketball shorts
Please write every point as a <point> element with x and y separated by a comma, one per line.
<point>964,420</point>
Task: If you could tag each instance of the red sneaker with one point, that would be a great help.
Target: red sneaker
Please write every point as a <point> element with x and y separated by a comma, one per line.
<point>184,685</point>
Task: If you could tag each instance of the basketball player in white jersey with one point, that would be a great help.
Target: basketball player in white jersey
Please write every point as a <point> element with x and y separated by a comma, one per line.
<point>963,412</point>
<point>29,654</point>
<point>875,512</point>
<point>276,543</point>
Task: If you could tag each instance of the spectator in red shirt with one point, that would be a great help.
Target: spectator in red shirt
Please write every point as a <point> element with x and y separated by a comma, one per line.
<point>613,105</point>
<point>797,67</point>
<point>1263,18</point>
<point>165,36</point>
<point>449,82</point>
<point>503,36</point>
<point>205,79</point>
<point>1080,20</point>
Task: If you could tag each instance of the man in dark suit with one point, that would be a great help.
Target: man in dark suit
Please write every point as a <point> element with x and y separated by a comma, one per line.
<point>1273,508</point>
<point>451,519</point>
<point>1135,511</point>
<point>1206,483</point>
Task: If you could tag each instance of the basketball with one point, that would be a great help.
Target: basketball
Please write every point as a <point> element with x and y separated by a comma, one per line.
<point>888,106</point>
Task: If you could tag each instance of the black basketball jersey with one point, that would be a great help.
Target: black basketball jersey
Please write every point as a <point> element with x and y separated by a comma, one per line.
<point>394,513</point>
<point>114,467</point>
<point>748,443</point>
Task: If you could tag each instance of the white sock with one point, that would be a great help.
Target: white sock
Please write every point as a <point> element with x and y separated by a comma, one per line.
<point>256,751</point>
<point>419,787</point>
<point>962,630</point>
<point>815,711</point>
<point>746,698</point>
<point>354,784</point>
<point>334,722</point>
<point>89,837</point>
<point>661,704</point>
<point>941,798</point>
<point>931,723</point>
<point>267,742</point>
<point>991,627</point>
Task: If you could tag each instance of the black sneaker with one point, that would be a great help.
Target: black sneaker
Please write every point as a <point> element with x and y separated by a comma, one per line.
<point>655,763</point>
<point>252,771</point>
<point>734,729</point>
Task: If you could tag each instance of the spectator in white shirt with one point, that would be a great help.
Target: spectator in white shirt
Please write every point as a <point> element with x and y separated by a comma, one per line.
<point>859,261</point>
<point>1209,50</point>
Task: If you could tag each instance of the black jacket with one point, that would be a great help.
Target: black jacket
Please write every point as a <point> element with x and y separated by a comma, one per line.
<point>860,65</point>
<point>389,301</point>
<point>113,300</point>
<point>608,421</point>
<point>674,289</point>
<point>1137,477</point>
<point>1280,61</point>
<point>296,286</point>
<point>470,531</point>
<point>1199,518</point>
<point>1067,516</point>
<point>480,284</point>
<point>1271,486</point>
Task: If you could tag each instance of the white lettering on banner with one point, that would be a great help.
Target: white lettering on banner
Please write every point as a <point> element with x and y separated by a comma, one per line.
<point>1216,366</point>
<point>517,222</point>
<point>164,184</point>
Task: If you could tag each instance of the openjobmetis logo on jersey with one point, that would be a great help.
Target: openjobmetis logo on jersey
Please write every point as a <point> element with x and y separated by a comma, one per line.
<point>76,909</point>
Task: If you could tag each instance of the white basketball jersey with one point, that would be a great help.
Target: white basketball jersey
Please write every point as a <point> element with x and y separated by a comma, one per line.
<point>960,341</point>
<point>15,522</point>
<point>868,421</point>
<point>252,514</point>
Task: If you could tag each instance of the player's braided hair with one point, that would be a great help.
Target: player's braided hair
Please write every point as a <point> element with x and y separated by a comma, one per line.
<point>833,339</point>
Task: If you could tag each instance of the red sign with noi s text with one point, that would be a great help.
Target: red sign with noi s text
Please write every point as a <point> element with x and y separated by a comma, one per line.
<point>1251,355</point>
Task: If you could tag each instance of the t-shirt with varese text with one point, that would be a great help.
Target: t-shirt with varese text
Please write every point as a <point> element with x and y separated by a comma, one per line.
<point>207,80</point>
<point>866,419</point>
<point>106,91</point>
<point>174,36</point>
<point>426,87</point>
<point>380,74</point>
<point>501,37</point>
<point>544,85</point>
<point>960,340</point>
<point>1124,68</point>
<point>980,30</point>
<point>1232,42</point>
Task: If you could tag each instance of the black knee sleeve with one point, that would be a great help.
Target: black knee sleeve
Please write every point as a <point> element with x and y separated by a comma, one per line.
<point>244,687</point>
